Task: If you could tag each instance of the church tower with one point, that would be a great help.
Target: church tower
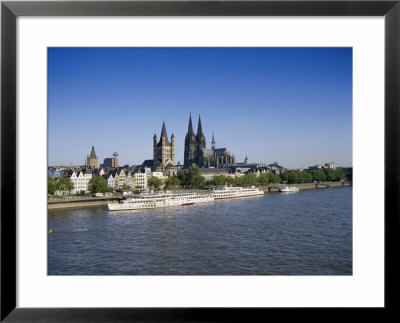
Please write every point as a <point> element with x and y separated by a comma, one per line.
<point>201,140</point>
<point>92,160</point>
<point>190,146</point>
<point>164,152</point>
<point>213,142</point>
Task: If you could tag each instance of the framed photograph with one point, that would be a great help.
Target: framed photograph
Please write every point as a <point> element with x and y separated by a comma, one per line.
<point>178,160</point>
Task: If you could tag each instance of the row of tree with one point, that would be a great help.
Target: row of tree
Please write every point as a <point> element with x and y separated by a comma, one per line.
<point>319,175</point>
<point>245,180</point>
<point>97,184</point>
<point>191,178</point>
<point>64,184</point>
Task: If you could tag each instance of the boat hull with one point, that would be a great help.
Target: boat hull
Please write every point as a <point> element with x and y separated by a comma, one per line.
<point>235,192</point>
<point>289,189</point>
<point>152,205</point>
<point>238,196</point>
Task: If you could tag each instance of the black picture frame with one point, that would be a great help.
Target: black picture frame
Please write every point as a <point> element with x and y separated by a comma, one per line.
<point>10,10</point>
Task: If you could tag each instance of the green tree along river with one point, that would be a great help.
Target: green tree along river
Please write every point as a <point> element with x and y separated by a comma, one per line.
<point>191,178</point>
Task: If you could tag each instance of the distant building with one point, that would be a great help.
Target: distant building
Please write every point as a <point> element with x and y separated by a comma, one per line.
<point>92,160</point>
<point>98,172</point>
<point>196,153</point>
<point>276,168</point>
<point>330,165</point>
<point>148,163</point>
<point>209,173</point>
<point>110,162</point>
<point>316,167</point>
<point>247,167</point>
<point>179,167</point>
<point>55,173</point>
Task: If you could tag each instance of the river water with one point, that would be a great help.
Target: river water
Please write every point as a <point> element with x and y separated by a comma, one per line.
<point>303,233</point>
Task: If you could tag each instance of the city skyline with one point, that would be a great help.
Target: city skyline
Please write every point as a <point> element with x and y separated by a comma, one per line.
<point>290,105</point>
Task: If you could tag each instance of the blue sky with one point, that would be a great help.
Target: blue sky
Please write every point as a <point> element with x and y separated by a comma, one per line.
<point>290,105</point>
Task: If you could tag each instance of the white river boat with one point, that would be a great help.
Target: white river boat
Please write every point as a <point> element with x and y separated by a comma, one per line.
<point>233,192</point>
<point>149,201</point>
<point>289,189</point>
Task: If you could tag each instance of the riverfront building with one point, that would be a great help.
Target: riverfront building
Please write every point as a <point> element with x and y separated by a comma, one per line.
<point>121,178</point>
<point>196,153</point>
<point>80,179</point>
<point>139,179</point>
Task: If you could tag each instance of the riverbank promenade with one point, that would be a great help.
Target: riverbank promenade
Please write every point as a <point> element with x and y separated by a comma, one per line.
<point>89,201</point>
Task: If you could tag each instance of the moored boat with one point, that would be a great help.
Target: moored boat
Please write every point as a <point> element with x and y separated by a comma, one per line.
<point>225,192</point>
<point>288,188</point>
<point>148,201</point>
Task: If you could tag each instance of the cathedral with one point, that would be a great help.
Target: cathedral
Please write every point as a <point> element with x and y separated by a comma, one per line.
<point>196,153</point>
<point>164,153</point>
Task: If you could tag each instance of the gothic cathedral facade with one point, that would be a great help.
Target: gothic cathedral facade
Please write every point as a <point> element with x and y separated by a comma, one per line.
<point>197,155</point>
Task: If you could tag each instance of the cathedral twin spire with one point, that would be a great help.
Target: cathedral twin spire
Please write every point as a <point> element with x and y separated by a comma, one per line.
<point>190,128</point>
<point>199,137</point>
<point>196,153</point>
<point>199,129</point>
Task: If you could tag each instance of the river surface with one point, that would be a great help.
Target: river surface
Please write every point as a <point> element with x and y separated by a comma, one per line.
<point>303,233</point>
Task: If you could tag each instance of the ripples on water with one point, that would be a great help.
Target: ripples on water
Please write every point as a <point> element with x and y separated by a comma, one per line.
<point>304,233</point>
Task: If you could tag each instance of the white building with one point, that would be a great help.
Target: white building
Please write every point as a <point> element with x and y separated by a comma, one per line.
<point>129,179</point>
<point>160,175</point>
<point>110,181</point>
<point>330,165</point>
<point>147,170</point>
<point>121,178</point>
<point>87,177</point>
<point>139,180</point>
<point>80,180</point>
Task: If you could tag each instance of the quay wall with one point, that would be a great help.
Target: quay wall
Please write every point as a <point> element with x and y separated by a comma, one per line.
<point>79,203</point>
<point>307,186</point>
<point>303,186</point>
